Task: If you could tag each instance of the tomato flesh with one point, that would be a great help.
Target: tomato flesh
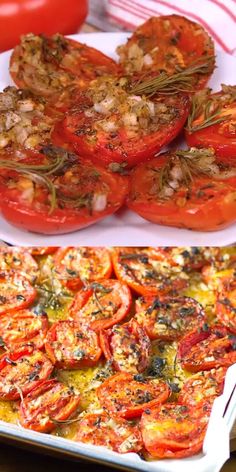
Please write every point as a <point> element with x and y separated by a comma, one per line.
<point>70,347</point>
<point>206,385</point>
<point>49,402</point>
<point>207,204</point>
<point>20,260</point>
<point>207,349</point>
<point>164,44</point>
<point>129,395</point>
<point>142,271</point>
<point>127,346</point>
<point>112,432</point>
<point>175,431</point>
<point>169,318</point>
<point>103,305</point>
<point>80,265</point>
<point>23,327</point>
<point>128,145</point>
<point>21,371</point>
<point>16,292</point>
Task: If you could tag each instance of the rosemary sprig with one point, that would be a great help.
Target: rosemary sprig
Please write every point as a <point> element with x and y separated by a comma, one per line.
<point>181,81</point>
<point>191,162</point>
<point>40,173</point>
<point>206,109</point>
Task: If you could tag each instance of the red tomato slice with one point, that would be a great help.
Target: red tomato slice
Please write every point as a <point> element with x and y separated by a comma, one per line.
<point>61,63</point>
<point>220,136</point>
<point>127,346</point>
<point>141,270</point>
<point>205,204</point>
<point>16,292</point>
<point>21,371</point>
<point>207,349</point>
<point>167,43</point>
<point>101,305</point>
<point>206,385</point>
<point>49,402</point>
<point>173,431</point>
<point>69,347</point>
<point>117,136</point>
<point>169,318</point>
<point>85,195</point>
<point>80,265</point>
<point>226,305</point>
<point>129,395</point>
<point>20,260</point>
<point>111,432</point>
<point>23,327</point>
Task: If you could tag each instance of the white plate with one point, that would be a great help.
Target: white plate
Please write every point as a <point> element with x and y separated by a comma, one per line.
<point>124,228</point>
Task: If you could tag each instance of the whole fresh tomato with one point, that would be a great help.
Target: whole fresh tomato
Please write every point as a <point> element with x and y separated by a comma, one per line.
<point>47,16</point>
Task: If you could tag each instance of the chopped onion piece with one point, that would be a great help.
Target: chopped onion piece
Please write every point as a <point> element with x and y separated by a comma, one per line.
<point>99,202</point>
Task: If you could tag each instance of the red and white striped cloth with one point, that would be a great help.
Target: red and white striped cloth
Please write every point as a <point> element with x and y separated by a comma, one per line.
<point>216,16</point>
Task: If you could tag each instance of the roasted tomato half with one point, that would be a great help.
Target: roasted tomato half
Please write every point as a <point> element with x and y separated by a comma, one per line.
<point>167,44</point>
<point>206,385</point>
<point>16,292</point>
<point>173,431</point>
<point>119,130</point>
<point>145,273</point>
<point>50,65</point>
<point>207,348</point>
<point>78,266</point>
<point>63,202</point>
<point>226,305</point>
<point>169,318</point>
<point>212,122</point>
<point>47,403</point>
<point>127,346</point>
<point>23,327</point>
<point>21,371</point>
<point>129,395</point>
<point>185,189</point>
<point>20,260</point>
<point>114,433</point>
<point>101,305</point>
<point>189,258</point>
<point>70,347</point>
<point>23,120</point>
